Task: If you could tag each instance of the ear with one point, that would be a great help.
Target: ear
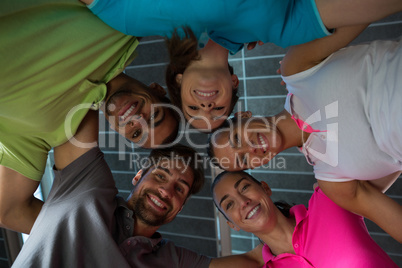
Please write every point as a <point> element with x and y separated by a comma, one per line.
<point>246,114</point>
<point>137,177</point>
<point>179,78</point>
<point>266,188</point>
<point>157,89</point>
<point>235,81</point>
<point>231,225</point>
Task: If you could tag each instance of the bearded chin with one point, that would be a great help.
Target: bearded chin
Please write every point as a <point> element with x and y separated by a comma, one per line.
<point>145,215</point>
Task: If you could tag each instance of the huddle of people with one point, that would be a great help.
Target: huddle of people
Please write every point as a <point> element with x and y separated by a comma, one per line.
<point>61,64</point>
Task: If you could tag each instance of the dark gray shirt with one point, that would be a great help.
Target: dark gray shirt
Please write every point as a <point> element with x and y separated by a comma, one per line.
<point>82,220</point>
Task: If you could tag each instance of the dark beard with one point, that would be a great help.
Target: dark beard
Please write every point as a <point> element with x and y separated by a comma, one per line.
<point>143,214</point>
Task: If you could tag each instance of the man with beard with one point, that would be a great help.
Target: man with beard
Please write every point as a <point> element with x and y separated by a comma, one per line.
<point>84,224</point>
<point>58,61</point>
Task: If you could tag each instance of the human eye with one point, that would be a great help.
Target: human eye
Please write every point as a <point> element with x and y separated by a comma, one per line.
<point>154,115</point>
<point>245,186</point>
<point>218,108</point>
<point>195,108</point>
<point>179,189</point>
<point>229,205</point>
<point>137,133</point>
<point>160,176</point>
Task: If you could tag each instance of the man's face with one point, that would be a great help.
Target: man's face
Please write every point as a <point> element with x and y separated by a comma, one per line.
<point>136,112</point>
<point>161,193</point>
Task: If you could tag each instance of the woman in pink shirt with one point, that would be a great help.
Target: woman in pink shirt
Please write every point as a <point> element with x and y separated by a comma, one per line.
<point>324,235</point>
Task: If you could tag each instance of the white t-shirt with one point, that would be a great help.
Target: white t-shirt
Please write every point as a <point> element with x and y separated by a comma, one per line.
<point>354,97</point>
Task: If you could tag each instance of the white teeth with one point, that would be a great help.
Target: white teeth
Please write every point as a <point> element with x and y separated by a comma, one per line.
<point>124,116</point>
<point>157,202</point>
<point>205,94</point>
<point>251,214</point>
<point>264,145</point>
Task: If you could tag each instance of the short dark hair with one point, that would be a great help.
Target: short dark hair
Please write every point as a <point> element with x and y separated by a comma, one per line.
<point>182,51</point>
<point>190,156</point>
<point>283,206</point>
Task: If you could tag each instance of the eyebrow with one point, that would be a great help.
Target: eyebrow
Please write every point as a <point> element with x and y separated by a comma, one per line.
<point>235,187</point>
<point>164,169</point>
<point>185,183</point>
<point>170,174</point>
<point>193,117</point>
<point>156,124</point>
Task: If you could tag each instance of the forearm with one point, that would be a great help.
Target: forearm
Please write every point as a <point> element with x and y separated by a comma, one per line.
<point>18,207</point>
<point>302,57</point>
<point>338,13</point>
<point>22,217</point>
<point>362,198</point>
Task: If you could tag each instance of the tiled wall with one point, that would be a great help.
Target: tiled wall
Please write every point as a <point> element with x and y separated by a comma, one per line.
<point>261,93</point>
<point>4,258</point>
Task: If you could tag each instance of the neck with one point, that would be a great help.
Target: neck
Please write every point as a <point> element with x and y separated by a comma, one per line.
<point>292,135</point>
<point>214,55</point>
<point>142,229</point>
<point>279,240</point>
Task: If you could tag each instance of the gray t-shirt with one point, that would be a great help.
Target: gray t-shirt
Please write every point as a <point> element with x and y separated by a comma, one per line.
<point>78,226</point>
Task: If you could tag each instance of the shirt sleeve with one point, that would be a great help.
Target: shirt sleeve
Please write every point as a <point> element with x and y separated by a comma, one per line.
<point>25,155</point>
<point>113,13</point>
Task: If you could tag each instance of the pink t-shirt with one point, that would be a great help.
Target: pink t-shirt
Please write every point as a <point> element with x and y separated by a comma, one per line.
<point>329,236</point>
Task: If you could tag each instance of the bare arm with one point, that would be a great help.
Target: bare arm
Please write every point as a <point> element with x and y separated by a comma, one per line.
<point>87,2</point>
<point>362,198</point>
<point>338,13</point>
<point>84,140</point>
<point>18,207</point>
<point>249,259</point>
<point>302,57</point>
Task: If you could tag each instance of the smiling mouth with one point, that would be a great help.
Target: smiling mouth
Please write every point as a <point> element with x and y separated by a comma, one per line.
<point>252,212</point>
<point>133,112</point>
<point>157,202</point>
<point>128,112</point>
<point>262,143</point>
<point>206,95</point>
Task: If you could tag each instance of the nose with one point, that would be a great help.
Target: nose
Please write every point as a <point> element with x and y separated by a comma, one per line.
<point>245,201</point>
<point>135,122</point>
<point>165,191</point>
<point>207,106</point>
<point>252,148</point>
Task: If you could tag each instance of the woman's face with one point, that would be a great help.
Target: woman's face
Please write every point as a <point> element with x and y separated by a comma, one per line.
<point>249,143</point>
<point>246,204</point>
<point>206,95</point>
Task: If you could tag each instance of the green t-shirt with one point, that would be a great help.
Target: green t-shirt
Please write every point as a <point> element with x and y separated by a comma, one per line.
<point>54,55</point>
